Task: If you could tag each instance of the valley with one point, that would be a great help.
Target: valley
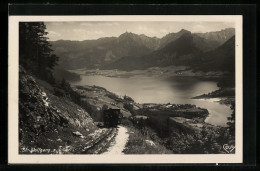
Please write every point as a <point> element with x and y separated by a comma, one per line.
<point>174,94</point>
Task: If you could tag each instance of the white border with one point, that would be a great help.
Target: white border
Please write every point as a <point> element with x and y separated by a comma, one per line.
<point>15,158</point>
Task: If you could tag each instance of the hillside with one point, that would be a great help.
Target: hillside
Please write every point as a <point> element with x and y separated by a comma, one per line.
<point>60,74</point>
<point>221,58</point>
<point>51,123</point>
<point>170,37</point>
<point>205,44</point>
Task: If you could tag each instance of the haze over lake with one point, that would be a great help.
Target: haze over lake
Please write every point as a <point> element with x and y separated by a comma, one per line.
<point>177,90</point>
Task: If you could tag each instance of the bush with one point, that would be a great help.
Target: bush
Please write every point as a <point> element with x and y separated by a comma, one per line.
<point>130,108</point>
<point>160,124</point>
<point>59,92</point>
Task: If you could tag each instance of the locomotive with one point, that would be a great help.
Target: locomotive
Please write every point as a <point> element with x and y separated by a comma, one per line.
<point>112,117</point>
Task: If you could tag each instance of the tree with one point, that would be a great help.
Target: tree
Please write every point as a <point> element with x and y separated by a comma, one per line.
<point>35,53</point>
<point>231,120</point>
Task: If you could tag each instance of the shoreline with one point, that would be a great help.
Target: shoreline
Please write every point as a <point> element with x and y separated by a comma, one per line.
<point>223,100</point>
<point>164,72</point>
<point>226,96</point>
<point>98,96</point>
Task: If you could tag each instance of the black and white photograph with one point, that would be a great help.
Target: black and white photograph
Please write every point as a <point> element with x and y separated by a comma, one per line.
<point>155,87</point>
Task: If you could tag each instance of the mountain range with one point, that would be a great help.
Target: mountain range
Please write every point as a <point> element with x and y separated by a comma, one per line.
<point>130,51</point>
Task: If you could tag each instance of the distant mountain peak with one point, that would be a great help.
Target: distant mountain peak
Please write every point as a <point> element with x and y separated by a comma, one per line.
<point>170,37</point>
<point>182,45</point>
<point>127,33</point>
<point>219,36</point>
<point>184,31</point>
<point>143,36</point>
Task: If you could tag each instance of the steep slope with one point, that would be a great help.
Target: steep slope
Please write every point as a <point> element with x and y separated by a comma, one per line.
<point>171,37</point>
<point>205,44</point>
<point>150,42</point>
<point>128,43</point>
<point>77,54</point>
<point>182,46</point>
<point>142,40</point>
<point>179,52</point>
<point>203,41</point>
<point>50,124</point>
<point>220,59</point>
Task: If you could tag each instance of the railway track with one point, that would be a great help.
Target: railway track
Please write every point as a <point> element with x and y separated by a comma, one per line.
<point>100,143</point>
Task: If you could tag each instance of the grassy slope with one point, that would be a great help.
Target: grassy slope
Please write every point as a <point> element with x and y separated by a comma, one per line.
<point>139,143</point>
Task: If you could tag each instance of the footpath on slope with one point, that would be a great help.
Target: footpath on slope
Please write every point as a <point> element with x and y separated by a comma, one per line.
<point>119,144</point>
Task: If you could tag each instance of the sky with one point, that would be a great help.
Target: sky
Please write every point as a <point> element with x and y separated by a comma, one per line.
<point>96,29</point>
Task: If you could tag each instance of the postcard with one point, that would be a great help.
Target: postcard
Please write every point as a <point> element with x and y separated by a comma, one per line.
<point>121,89</point>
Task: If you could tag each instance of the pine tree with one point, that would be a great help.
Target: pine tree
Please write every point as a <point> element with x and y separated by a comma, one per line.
<point>35,52</point>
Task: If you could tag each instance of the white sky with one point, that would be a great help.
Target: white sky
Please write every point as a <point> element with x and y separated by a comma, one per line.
<point>96,29</point>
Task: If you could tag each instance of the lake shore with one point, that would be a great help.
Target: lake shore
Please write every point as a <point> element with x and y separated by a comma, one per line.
<point>99,96</point>
<point>164,72</point>
<point>161,89</point>
<point>225,95</point>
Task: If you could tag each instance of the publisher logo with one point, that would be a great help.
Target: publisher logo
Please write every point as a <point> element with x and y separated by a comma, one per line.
<point>228,148</point>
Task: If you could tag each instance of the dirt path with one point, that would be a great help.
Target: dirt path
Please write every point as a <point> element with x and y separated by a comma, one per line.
<point>120,142</point>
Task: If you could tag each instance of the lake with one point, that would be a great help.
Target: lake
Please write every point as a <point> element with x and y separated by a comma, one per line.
<point>178,90</point>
